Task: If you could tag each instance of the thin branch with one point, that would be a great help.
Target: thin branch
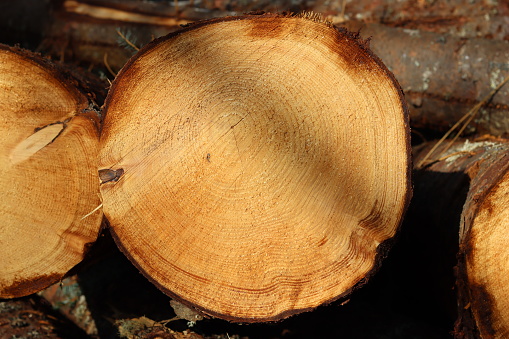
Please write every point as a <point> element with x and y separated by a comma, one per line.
<point>105,60</point>
<point>95,210</point>
<point>455,154</point>
<point>465,120</point>
<point>127,40</point>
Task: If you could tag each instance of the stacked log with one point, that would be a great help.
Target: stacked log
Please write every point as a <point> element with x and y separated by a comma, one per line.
<point>48,172</point>
<point>446,57</point>
<point>253,199</point>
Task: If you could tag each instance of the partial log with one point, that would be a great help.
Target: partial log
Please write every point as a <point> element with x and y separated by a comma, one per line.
<point>482,270</point>
<point>255,167</point>
<point>48,172</point>
<point>463,18</point>
<point>444,67</point>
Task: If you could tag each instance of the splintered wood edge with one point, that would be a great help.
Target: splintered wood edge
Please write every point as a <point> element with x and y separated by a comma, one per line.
<point>85,90</point>
<point>382,249</point>
<point>475,303</point>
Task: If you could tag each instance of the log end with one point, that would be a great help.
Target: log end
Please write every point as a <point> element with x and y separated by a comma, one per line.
<point>263,162</point>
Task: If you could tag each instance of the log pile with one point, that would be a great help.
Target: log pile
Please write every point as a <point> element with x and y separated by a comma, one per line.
<point>257,166</point>
<point>480,169</point>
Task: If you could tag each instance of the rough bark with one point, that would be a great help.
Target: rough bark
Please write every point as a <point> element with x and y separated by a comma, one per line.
<point>256,166</point>
<point>48,172</point>
<point>443,76</point>
<point>461,18</point>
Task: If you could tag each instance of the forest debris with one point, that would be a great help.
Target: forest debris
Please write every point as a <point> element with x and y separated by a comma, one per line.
<point>144,327</point>
<point>30,317</point>
<point>184,312</point>
<point>67,297</point>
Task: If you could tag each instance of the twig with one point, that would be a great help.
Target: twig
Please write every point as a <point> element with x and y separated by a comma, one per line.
<point>95,209</point>
<point>454,154</point>
<point>105,60</point>
<point>164,322</point>
<point>419,134</point>
<point>127,40</point>
<point>465,120</point>
<point>343,8</point>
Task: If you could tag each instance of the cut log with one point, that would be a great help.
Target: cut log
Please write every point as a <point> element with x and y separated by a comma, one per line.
<point>255,167</point>
<point>32,317</point>
<point>48,173</point>
<point>482,270</point>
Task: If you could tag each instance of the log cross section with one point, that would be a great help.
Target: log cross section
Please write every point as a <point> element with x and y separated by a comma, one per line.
<point>264,164</point>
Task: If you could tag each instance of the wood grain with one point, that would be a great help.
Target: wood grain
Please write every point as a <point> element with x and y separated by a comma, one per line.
<point>48,173</point>
<point>265,162</point>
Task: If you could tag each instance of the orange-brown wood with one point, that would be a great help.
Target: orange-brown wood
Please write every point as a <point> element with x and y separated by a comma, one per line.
<point>477,173</point>
<point>254,167</point>
<point>48,173</point>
